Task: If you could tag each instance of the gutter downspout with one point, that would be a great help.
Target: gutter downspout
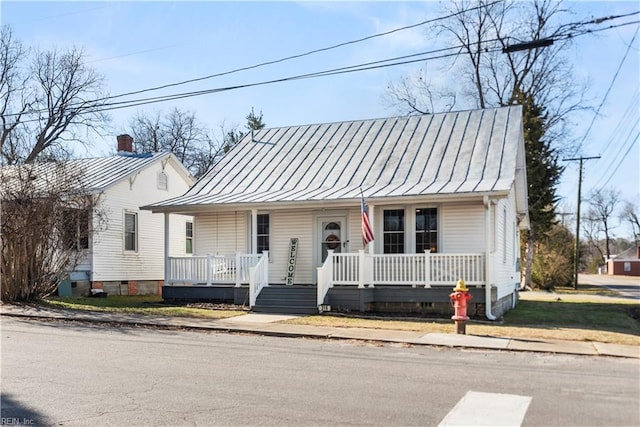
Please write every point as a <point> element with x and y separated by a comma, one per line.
<point>487,258</point>
<point>166,248</point>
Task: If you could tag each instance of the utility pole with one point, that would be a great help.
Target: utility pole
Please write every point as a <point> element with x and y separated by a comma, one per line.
<point>577,246</point>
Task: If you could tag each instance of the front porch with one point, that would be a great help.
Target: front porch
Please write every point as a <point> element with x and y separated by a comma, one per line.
<point>345,281</point>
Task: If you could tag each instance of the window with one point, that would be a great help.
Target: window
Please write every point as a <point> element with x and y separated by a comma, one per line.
<point>76,232</point>
<point>426,230</point>
<point>163,181</point>
<point>393,232</point>
<point>130,231</point>
<point>263,233</point>
<point>504,235</point>
<point>188,235</point>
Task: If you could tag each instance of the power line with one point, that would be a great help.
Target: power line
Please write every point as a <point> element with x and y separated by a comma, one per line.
<point>330,72</point>
<point>616,169</point>
<point>629,121</point>
<point>300,55</point>
<point>615,76</point>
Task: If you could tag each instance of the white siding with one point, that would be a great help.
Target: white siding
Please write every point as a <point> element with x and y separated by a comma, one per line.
<point>286,225</point>
<point>223,233</point>
<point>355,231</point>
<point>507,246</point>
<point>462,227</point>
<point>110,261</point>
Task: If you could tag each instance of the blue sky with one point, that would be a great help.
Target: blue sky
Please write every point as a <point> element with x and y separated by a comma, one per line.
<point>138,45</point>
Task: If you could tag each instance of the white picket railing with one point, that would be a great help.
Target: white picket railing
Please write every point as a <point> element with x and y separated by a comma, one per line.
<point>349,269</point>
<point>209,269</point>
<point>405,269</point>
<point>258,278</point>
<point>325,277</point>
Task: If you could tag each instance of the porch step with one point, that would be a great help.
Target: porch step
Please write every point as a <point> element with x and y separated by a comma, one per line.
<point>287,300</point>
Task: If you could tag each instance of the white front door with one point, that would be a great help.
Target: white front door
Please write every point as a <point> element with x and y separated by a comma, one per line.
<point>332,236</point>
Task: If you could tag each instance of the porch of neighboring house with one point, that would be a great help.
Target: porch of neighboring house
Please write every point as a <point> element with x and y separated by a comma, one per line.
<point>346,281</point>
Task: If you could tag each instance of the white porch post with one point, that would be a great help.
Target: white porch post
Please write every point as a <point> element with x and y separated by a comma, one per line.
<point>488,258</point>
<point>239,269</point>
<point>254,231</point>
<point>373,227</point>
<point>208,274</point>
<point>361,268</point>
<point>166,248</point>
<point>427,269</point>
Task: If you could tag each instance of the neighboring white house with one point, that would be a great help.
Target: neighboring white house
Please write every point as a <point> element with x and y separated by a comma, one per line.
<point>446,193</point>
<point>124,254</point>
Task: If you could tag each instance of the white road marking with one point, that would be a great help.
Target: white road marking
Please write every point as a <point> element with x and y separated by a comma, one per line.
<point>488,409</point>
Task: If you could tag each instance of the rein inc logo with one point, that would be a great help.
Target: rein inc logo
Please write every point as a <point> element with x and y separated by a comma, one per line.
<point>8,421</point>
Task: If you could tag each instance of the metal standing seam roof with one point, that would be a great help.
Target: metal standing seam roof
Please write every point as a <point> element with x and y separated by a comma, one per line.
<point>97,174</point>
<point>449,153</point>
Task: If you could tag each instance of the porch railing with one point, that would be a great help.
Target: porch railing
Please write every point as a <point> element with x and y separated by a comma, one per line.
<point>258,278</point>
<point>401,269</point>
<point>209,269</point>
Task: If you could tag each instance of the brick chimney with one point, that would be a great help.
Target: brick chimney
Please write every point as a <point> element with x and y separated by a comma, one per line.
<point>125,143</point>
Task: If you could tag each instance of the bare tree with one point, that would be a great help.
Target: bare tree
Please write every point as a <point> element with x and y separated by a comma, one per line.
<point>631,213</point>
<point>602,205</point>
<point>46,220</point>
<point>592,233</point>
<point>486,76</point>
<point>413,94</point>
<point>47,99</point>
<point>181,133</point>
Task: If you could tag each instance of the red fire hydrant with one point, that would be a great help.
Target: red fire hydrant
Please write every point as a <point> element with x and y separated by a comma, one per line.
<point>459,298</point>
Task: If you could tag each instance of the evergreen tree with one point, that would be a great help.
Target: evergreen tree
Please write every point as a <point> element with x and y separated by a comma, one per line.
<point>254,122</point>
<point>543,174</point>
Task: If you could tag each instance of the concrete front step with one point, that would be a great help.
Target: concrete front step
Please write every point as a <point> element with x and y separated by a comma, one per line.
<point>280,309</point>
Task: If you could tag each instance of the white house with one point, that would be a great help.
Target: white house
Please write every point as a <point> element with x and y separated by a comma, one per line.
<point>124,254</point>
<point>446,195</point>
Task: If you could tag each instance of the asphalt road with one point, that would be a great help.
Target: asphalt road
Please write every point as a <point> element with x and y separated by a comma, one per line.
<point>626,286</point>
<point>67,374</point>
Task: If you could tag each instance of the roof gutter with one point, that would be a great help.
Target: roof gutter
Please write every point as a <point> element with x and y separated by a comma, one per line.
<point>190,209</point>
<point>487,257</point>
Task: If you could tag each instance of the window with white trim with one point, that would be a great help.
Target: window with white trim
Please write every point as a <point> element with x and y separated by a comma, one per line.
<point>188,237</point>
<point>263,233</point>
<point>505,230</point>
<point>131,231</point>
<point>163,181</point>
<point>426,230</point>
<point>393,231</point>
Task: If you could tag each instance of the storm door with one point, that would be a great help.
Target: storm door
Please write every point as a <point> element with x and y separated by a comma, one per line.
<point>332,236</point>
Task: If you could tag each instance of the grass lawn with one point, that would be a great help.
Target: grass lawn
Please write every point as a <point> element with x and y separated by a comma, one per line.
<point>576,317</point>
<point>147,304</point>
<point>582,316</point>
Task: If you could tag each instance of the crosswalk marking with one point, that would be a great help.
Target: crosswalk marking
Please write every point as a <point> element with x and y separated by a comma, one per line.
<point>487,409</point>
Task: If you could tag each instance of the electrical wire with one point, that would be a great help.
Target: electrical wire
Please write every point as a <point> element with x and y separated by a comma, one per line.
<point>627,121</point>
<point>384,63</point>
<point>617,168</point>
<point>335,71</point>
<point>300,55</point>
<point>615,76</point>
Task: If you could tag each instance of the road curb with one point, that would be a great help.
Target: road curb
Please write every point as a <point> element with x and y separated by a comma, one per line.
<point>345,334</point>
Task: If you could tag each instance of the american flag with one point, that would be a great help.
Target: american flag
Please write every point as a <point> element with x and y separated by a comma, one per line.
<point>367,232</point>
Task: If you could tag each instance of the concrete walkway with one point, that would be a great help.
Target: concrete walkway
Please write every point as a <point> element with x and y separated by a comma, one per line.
<point>266,324</point>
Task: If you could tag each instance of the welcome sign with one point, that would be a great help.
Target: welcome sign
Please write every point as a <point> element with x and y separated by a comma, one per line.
<point>291,265</point>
